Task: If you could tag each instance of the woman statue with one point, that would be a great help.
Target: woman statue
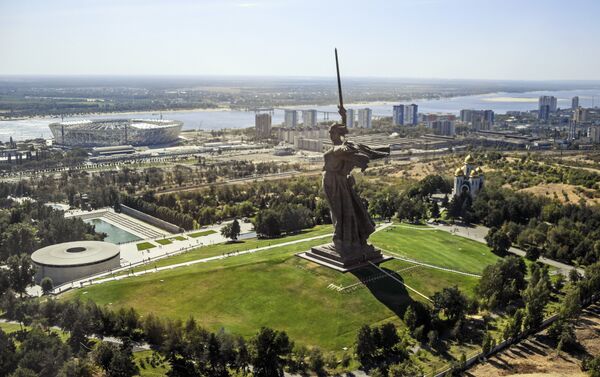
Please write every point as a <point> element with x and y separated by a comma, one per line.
<point>351,221</point>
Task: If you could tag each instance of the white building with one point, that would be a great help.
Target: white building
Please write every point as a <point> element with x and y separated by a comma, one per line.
<point>468,179</point>
<point>364,118</point>
<point>290,118</point>
<point>350,118</point>
<point>309,118</point>
<point>405,115</point>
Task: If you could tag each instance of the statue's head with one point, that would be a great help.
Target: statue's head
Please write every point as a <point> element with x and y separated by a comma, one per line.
<point>336,132</point>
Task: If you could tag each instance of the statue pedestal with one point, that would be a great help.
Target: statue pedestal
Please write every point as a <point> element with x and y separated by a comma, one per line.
<point>349,259</point>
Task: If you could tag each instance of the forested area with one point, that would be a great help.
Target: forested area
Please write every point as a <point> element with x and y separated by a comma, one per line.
<point>28,226</point>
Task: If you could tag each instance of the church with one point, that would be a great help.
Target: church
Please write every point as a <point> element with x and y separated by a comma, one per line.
<point>468,178</point>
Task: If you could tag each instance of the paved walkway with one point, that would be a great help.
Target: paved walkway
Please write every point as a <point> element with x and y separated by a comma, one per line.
<point>478,233</point>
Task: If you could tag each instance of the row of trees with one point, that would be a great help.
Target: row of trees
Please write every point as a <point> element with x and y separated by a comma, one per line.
<point>182,220</point>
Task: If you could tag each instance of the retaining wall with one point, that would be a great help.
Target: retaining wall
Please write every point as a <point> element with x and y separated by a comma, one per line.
<point>150,219</point>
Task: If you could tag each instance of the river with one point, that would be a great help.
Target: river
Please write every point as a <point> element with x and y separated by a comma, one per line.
<point>216,120</point>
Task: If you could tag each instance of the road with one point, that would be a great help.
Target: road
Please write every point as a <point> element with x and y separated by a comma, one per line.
<point>478,233</point>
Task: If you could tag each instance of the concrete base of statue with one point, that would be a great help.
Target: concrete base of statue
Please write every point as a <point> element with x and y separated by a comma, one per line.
<point>351,258</point>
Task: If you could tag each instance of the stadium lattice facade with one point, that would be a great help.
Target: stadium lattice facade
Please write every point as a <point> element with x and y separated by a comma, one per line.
<point>109,132</point>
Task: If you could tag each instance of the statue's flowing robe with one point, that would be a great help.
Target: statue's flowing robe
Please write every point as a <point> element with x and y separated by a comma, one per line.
<point>351,221</point>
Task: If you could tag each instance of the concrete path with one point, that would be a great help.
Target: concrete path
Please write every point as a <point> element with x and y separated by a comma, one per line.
<point>478,233</point>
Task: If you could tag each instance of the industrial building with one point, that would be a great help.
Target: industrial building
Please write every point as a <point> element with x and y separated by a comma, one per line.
<point>112,132</point>
<point>70,261</point>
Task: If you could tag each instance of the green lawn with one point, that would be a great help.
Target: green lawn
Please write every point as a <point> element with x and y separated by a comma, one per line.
<point>164,241</point>
<point>145,246</point>
<point>178,238</point>
<point>202,233</point>
<point>435,247</point>
<point>277,289</point>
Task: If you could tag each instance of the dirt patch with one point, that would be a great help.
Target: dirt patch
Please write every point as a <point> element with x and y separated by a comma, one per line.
<point>563,191</point>
<point>537,355</point>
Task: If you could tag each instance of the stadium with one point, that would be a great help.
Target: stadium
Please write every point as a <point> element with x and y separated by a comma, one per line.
<point>110,132</point>
<point>70,261</point>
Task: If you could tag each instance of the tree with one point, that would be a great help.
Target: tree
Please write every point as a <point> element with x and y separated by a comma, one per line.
<point>501,283</point>
<point>487,344</point>
<point>452,302</point>
<point>268,352</point>
<point>267,224</point>
<point>8,357</point>
<point>42,353</point>
<point>574,276</point>
<point>18,238</point>
<point>317,363</point>
<point>47,285</point>
<point>435,210</point>
<point>592,366</point>
<point>231,230</point>
<point>20,273</point>
<point>410,318</point>
<point>498,241</point>
<point>365,346</point>
<point>536,298</point>
<point>76,368</point>
<point>405,369</point>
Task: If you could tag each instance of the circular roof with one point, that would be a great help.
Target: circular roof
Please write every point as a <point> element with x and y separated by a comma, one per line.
<point>76,253</point>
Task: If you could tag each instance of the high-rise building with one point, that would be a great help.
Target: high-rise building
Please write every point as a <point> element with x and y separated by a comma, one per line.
<point>309,118</point>
<point>594,134</point>
<point>350,118</point>
<point>364,118</point>
<point>546,106</point>
<point>580,115</point>
<point>575,103</point>
<point>411,114</point>
<point>262,124</point>
<point>405,115</point>
<point>398,115</point>
<point>478,119</point>
<point>291,118</point>
<point>443,127</point>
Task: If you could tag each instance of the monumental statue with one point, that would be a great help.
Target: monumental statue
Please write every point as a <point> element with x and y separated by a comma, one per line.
<point>351,221</point>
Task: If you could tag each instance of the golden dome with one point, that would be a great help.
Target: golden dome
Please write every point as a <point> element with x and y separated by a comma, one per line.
<point>478,170</point>
<point>469,159</point>
<point>474,173</point>
<point>458,172</point>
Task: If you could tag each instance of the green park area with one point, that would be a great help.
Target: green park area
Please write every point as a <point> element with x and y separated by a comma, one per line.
<point>436,247</point>
<point>275,288</point>
<point>145,246</point>
<point>164,241</point>
<point>201,233</point>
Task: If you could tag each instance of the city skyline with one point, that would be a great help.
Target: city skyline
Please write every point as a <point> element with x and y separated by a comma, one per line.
<point>536,40</point>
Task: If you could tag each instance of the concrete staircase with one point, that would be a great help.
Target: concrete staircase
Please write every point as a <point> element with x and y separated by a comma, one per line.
<point>127,223</point>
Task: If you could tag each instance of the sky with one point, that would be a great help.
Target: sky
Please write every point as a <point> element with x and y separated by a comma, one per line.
<point>454,39</point>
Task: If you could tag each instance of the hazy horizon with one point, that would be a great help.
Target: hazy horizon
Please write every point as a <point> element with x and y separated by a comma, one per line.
<point>537,40</point>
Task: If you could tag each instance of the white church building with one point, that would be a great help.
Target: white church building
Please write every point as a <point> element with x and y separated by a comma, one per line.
<point>468,178</point>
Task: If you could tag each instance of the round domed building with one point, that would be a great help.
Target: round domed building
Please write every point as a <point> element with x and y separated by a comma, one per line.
<point>70,261</point>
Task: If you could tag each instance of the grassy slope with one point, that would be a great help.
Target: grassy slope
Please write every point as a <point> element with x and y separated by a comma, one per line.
<point>435,247</point>
<point>222,248</point>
